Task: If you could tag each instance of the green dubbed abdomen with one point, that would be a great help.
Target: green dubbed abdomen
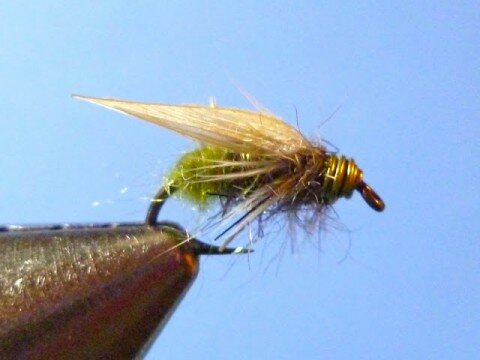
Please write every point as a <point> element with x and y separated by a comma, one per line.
<point>198,175</point>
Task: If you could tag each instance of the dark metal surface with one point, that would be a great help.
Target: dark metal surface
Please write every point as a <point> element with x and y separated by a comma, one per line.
<point>89,292</point>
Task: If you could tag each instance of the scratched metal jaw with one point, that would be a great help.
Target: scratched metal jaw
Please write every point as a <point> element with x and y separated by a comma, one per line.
<point>91,291</point>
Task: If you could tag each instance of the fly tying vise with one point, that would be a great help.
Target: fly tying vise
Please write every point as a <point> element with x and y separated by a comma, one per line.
<point>252,160</point>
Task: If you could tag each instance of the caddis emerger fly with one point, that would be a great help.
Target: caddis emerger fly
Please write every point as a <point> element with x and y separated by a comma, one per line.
<point>253,161</point>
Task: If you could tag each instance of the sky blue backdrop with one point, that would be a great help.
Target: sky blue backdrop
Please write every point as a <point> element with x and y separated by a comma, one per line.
<point>407,80</point>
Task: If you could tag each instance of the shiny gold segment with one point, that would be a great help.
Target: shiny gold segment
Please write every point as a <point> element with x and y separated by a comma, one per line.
<point>342,177</point>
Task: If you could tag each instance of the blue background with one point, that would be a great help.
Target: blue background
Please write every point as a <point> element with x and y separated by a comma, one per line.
<point>407,80</point>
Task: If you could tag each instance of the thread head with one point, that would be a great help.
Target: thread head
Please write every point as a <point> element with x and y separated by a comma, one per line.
<point>342,176</point>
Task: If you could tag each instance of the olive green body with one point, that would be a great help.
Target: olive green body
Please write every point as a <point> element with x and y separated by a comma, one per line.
<point>200,174</point>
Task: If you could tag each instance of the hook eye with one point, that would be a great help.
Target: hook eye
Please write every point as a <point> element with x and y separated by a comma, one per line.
<point>370,196</point>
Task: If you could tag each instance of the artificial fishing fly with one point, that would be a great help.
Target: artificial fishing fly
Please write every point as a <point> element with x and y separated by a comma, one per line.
<point>253,161</point>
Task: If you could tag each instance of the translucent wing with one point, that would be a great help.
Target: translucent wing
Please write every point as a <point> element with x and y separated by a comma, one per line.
<point>235,129</point>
